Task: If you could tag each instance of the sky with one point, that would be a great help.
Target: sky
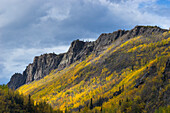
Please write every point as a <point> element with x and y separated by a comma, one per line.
<point>30,28</point>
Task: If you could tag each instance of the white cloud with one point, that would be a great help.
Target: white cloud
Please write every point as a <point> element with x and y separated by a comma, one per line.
<point>88,39</point>
<point>56,13</point>
<point>130,12</point>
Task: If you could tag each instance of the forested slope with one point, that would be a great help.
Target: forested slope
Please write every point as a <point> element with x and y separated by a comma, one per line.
<point>13,102</point>
<point>42,65</point>
<point>131,77</point>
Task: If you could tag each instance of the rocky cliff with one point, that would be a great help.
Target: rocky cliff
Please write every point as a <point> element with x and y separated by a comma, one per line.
<point>44,64</point>
<point>16,81</point>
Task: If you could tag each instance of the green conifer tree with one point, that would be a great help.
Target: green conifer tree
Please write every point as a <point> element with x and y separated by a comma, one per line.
<point>91,104</point>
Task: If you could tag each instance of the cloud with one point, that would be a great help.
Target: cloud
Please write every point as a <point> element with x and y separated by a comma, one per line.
<point>56,14</point>
<point>32,27</point>
<point>12,12</point>
<point>130,12</point>
<point>57,10</point>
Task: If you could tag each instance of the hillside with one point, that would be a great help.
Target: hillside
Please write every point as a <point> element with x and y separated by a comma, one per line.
<point>78,51</point>
<point>123,71</point>
<point>13,102</point>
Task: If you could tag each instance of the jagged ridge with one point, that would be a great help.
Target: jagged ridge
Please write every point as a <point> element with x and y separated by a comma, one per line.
<point>44,64</point>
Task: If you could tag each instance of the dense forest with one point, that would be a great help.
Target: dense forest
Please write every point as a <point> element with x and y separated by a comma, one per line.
<point>132,77</point>
<point>13,102</point>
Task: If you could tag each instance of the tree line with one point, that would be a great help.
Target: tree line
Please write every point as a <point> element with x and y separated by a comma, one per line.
<point>13,102</point>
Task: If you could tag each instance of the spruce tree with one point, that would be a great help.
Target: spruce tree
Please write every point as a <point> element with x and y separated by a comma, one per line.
<point>29,104</point>
<point>91,104</point>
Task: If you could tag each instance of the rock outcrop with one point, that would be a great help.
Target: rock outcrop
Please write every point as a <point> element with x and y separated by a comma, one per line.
<point>77,51</point>
<point>44,64</point>
<point>106,39</point>
<point>16,81</point>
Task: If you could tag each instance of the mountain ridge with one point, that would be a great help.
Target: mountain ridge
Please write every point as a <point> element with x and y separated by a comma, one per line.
<point>44,64</point>
<point>128,75</point>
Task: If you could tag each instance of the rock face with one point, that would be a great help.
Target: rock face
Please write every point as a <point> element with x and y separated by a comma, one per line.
<point>16,81</point>
<point>78,50</point>
<point>106,39</point>
<point>44,64</point>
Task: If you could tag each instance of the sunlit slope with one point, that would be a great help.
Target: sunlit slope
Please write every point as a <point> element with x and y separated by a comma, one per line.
<point>109,78</point>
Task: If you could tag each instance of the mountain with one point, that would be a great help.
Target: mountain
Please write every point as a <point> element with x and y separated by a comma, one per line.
<point>124,71</point>
<point>78,51</point>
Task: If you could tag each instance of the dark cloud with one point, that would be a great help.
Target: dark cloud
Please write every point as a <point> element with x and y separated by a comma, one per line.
<point>32,27</point>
